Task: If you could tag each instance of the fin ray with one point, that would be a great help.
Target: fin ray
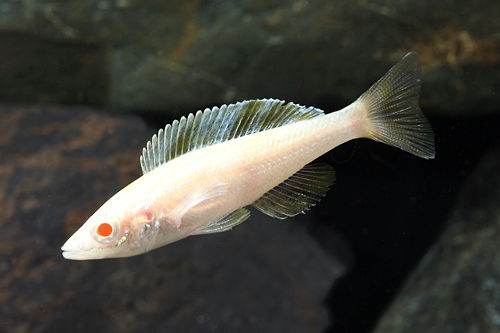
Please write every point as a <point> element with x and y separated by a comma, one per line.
<point>226,223</point>
<point>299,192</point>
<point>197,197</point>
<point>393,110</point>
<point>217,125</point>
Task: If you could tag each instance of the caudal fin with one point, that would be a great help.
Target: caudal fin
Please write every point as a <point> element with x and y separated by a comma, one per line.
<point>393,112</point>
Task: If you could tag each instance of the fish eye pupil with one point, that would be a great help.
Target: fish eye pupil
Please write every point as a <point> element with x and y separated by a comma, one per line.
<point>104,230</point>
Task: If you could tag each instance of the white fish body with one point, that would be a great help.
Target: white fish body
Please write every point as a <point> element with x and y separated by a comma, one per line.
<point>201,172</point>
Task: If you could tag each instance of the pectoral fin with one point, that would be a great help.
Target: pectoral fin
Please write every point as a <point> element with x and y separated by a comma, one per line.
<point>199,196</point>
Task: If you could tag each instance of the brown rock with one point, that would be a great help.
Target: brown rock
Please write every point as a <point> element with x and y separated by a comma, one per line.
<point>57,166</point>
<point>456,287</point>
<point>188,55</point>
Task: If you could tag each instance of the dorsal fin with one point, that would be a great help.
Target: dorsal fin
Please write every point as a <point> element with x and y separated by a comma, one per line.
<point>217,125</point>
<point>299,192</point>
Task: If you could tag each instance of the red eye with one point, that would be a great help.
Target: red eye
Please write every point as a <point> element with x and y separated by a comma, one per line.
<point>104,230</point>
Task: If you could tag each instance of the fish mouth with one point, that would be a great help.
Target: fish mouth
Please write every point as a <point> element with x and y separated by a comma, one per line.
<point>69,253</point>
<point>74,249</point>
<point>70,248</point>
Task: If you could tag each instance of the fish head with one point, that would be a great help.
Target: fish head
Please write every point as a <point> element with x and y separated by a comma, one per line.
<point>112,232</point>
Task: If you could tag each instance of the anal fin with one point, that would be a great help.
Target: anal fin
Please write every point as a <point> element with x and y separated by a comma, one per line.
<point>224,224</point>
<point>299,192</point>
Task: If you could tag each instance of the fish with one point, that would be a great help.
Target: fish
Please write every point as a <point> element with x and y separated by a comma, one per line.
<point>201,172</point>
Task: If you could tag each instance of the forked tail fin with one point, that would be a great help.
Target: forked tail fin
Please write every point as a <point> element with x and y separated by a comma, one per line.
<point>393,112</point>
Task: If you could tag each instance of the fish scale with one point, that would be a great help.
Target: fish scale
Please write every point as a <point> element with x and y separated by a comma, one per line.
<point>202,171</point>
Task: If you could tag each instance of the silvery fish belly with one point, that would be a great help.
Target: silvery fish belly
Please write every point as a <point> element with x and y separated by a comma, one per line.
<point>202,171</point>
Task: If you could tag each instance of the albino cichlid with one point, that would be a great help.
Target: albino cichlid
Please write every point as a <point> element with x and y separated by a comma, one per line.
<point>200,172</point>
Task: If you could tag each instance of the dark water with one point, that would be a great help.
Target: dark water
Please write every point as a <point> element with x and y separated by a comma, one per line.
<point>386,210</point>
<point>389,239</point>
<point>139,66</point>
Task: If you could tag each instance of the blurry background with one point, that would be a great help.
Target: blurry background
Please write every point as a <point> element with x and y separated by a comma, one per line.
<point>399,244</point>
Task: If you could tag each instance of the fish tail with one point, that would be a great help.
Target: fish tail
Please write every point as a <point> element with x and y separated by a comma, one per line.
<point>392,110</point>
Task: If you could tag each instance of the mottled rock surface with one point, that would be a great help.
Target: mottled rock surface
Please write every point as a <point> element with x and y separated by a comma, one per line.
<point>57,166</point>
<point>456,287</point>
<point>188,55</point>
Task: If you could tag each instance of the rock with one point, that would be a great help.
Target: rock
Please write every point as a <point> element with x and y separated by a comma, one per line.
<point>57,166</point>
<point>456,287</point>
<point>183,56</point>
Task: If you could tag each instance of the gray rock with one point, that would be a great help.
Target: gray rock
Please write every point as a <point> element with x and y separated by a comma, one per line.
<point>188,55</point>
<point>57,166</point>
<point>456,287</point>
